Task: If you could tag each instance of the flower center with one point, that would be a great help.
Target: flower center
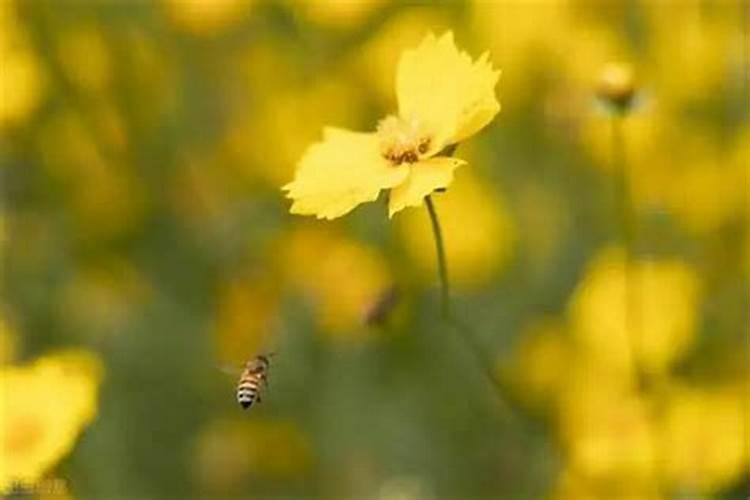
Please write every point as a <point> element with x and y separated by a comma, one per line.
<point>402,141</point>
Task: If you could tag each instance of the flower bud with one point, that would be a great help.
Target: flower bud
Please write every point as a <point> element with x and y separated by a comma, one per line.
<point>616,87</point>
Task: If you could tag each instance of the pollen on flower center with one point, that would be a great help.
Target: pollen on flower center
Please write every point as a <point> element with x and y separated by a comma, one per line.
<point>402,141</point>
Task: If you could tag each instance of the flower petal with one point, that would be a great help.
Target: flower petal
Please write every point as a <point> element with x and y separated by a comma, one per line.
<point>444,89</point>
<point>424,177</point>
<point>340,172</point>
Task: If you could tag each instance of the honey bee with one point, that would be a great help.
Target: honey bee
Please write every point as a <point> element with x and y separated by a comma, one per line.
<point>252,378</point>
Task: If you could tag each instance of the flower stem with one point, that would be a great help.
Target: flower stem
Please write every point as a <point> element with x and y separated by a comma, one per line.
<point>645,384</point>
<point>441,261</point>
<point>627,224</point>
<point>464,332</point>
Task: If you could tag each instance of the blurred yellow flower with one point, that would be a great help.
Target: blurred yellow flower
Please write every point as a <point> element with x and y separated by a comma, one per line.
<point>691,54</point>
<point>664,300</point>
<point>85,58</point>
<point>99,299</point>
<point>711,185</point>
<point>703,438</point>
<point>606,428</point>
<point>577,485</point>
<point>106,197</point>
<point>22,77</point>
<point>341,276</point>
<point>246,309</point>
<point>540,364</point>
<point>45,406</point>
<point>266,143</point>
<point>230,451</point>
<point>443,97</point>
<point>374,60</point>
<point>512,31</point>
<point>477,228</point>
<point>338,13</point>
<point>206,17</point>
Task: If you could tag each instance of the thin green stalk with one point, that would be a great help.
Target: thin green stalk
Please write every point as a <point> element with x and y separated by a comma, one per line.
<point>445,302</point>
<point>626,214</point>
<point>644,383</point>
<point>463,331</point>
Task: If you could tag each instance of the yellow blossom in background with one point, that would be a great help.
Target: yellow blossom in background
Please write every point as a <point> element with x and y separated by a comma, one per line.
<point>676,168</point>
<point>343,277</point>
<point>373,63</point>
<point>595,50</point>
<point>106,197</point>
<point>605,426</point>
<point>245,316</point>
<point>85,58</point>
<point>228,452</point>
<point>99,300</point>
<point>206,17</point>
<point>709,191</point>
<point>341,14</point>
<point>154,75</point>
<point>443,96</point>
<point>664,300</point>
<point>477,228</point>
<point>512,31</point>
<point>572,484</point>
<point>22,79</point>
<point>692,52</point>
<point>266,144</point>
<point>709,185</point>
<point>703,438</point>
<point>646,133</point>
<point>541,363</point>
<point>45,406</point>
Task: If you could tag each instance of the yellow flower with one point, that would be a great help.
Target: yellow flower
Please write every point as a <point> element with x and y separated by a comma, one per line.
<point>22,80</point>
<point>45,405</point>
<point>605,427</point>
<point>540,364</point>
<point>664,299</point>
<point>227,452</point>
<point>206,17</point>
<point>443,98</point>
<point>703,431</point>
<point>341,276</point>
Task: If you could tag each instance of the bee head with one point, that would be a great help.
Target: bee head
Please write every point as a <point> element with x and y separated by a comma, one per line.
<point>266,358</point>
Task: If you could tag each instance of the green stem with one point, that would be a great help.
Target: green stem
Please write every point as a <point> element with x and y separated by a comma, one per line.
<point>644,382</point>
<point>441,261</point>
<point>627,224</point>
<point>463,331</point>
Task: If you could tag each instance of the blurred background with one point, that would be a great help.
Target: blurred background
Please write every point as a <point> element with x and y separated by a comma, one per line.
<point>145,244</point>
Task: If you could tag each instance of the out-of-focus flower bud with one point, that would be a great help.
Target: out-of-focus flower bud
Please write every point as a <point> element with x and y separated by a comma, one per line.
<point>617,88</point>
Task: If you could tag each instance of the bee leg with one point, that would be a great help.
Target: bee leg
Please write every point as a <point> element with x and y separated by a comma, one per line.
<point>257,398</point>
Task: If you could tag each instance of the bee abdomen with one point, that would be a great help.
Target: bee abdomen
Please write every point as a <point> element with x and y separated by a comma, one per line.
<point>247,391</point>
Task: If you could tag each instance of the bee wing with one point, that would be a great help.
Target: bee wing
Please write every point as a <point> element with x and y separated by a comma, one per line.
<point>230,370</point>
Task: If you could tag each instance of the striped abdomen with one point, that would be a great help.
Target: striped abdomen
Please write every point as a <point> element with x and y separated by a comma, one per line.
<point>248,388</point>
